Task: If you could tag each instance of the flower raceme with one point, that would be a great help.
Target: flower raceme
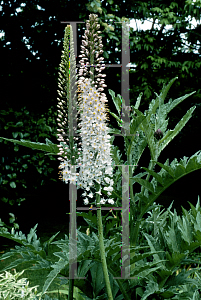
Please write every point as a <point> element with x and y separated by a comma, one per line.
<point>67,110</point>
<point>91,50</point>
<point>96,161</point>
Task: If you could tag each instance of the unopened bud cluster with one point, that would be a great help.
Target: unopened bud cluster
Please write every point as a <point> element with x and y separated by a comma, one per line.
<point>91,63</point>
<point>67,109</point>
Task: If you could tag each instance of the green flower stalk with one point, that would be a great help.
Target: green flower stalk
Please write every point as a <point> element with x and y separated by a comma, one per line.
<point>91,49</point>
<point>67,110</point>
<point>96,162</point>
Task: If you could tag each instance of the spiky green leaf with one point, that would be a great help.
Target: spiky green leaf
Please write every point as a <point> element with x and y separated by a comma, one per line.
<point>168,175</point>
<point>169,136</point>
<point>116,101</point>
<point>48,147</point>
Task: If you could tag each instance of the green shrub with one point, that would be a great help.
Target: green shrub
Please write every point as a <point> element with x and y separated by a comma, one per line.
<point>10,288</point>
<point>20,168</point>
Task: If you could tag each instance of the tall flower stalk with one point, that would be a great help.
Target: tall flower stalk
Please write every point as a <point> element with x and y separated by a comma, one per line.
<point>95,160</point>
<point>67,112</point>
<point>96,165</point>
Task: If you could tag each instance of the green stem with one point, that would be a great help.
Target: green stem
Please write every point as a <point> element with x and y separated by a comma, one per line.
<point>135,230</point>
<point>70,291</point>
<point>71,281</point>
<point>101,244</point>
<point>132,202</point>
<point>151,166</point>
<point>121,287</point>
<point>72,239</point>
<point>129,159</point>
<point>138,222</point>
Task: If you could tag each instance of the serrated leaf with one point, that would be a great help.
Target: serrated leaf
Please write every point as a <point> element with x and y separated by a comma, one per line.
<point>151,288</point>
<point>116,101</point>
<point>171,105</point>
<point>167,168</point>
<point>170,174</point>
<point>57,268</point>
<point>193,162</point>
<point>144,183</point>
<point>84,267</point>
<point>136,122</point>
<point>146,269</point>
<point>186,230</point>
<point>165,90</point>
<point>197,225</point>
<point>140,256</point>
<point>98,282</point>
<point>182,278</point>
<point>90,218</point>
<point>116,117</point>
<point>155,175</point>
<point>171,134</point>
<point>180,171</point>
<point>19,237</point>
<point>110,225</point>
<point>52,148</point>
<point>115,131</point>
<point>31,249</point>
<point>137,104</point>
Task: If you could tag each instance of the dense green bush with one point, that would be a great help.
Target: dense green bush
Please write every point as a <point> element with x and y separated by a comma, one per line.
<point>21,170</point>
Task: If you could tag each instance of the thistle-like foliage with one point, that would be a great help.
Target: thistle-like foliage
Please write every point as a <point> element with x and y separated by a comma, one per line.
<point>67,108</point>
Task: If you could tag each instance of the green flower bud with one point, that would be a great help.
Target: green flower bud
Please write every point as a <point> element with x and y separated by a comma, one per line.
<point>158,134</point>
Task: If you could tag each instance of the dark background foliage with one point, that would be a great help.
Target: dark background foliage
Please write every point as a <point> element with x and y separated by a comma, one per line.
<point>29,91</point>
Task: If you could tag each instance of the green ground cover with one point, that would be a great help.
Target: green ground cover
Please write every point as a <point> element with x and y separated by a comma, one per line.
<point>38,277</point>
